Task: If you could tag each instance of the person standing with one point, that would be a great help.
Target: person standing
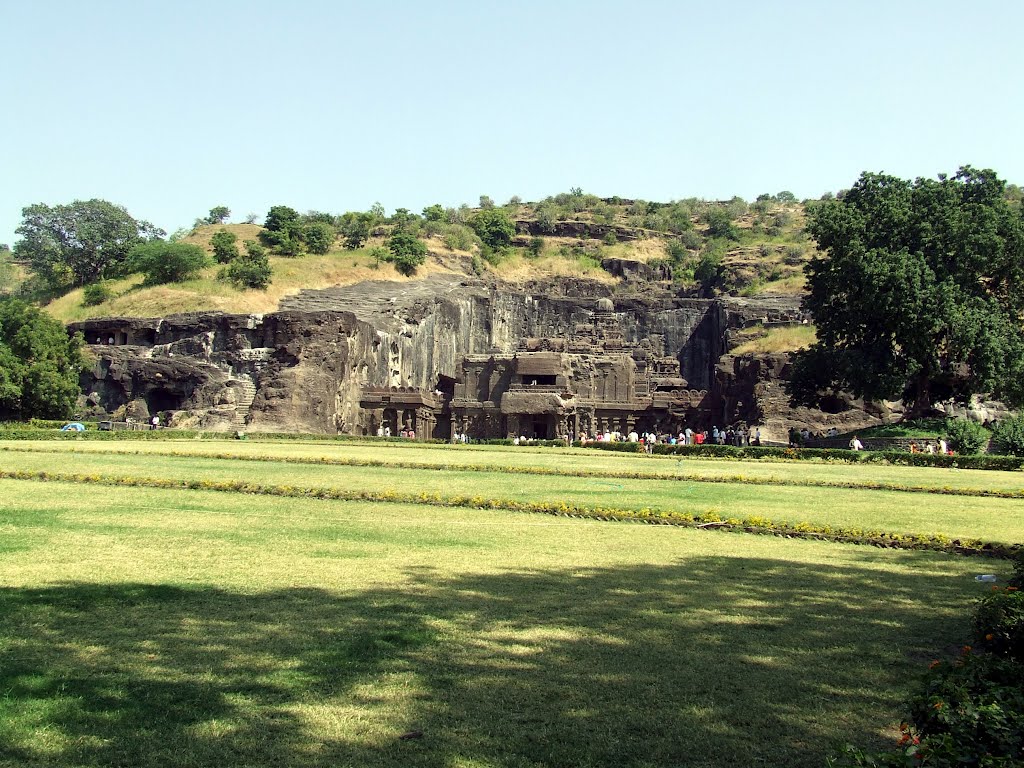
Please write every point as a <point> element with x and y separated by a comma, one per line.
<point>856,444</point>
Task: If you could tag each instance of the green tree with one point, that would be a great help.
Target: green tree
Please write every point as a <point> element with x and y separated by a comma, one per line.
<point>164,262</point>
<point>719,222</point>
<point>493,227</point>
<point>434,212</point>
<point>250,270</point>
<point>79,243</point>
<point>407,252</point>
<point>225,246</point>
<point>39,364</point>
<point>282,230</point>
<point>218,214</point>
<point>319,237</point>
<point>356,228</point>
<point>916,292</point>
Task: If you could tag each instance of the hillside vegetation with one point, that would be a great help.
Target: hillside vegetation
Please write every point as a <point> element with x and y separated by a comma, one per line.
<point>696,247</point>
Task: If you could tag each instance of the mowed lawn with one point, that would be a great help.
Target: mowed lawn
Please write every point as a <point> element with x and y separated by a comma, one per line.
<point>154,627</point>
<point>990,519</point>
<point>561,459</point>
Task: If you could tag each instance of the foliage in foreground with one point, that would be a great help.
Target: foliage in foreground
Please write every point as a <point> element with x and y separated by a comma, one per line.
<point>969,711</point>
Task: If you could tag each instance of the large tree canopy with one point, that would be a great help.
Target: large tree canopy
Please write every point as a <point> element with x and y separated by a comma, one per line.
<point>39,364</point>
<point>917,292</point>
<point>79,243</point>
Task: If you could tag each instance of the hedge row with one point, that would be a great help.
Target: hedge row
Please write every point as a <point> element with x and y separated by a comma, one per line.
<point>709,518</point>
<point>985,461</point>
<point>557,472</point>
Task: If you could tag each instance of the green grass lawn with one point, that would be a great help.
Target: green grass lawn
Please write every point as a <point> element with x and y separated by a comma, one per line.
<point>560,459</point>
<point>1000,520</point>
<point>153,627</point>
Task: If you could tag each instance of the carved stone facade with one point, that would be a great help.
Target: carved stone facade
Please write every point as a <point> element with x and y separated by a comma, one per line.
<point>447,354</point>
<point>591,381</point>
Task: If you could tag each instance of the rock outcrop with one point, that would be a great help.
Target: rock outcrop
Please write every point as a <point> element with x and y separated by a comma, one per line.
<point>307,366</point>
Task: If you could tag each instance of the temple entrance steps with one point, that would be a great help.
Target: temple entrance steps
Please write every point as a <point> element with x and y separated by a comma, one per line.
<point>243,399</point>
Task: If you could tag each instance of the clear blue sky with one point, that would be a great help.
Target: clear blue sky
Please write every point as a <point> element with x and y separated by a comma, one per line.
<point>170,108</point>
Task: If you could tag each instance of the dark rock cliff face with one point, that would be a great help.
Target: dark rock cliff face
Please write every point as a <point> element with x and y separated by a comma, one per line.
<point>303,368</point>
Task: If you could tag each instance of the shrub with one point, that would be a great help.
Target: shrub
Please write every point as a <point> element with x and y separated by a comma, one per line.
<point>691,239</point>
<point>971,710</point>
<point>547,217</point>
<point>536,246</point>
<point>493,227</point>
<point>1008,436</point>
<point>999,622</point>
<point>225,246</point>
<point>966,436</point>
<point>459,237</point>
<point>319,237</point>
<point>719,222</point>
<point>407,252</point>
<point>163,262</point>
<point>97,293</point>
<point>251,270</point>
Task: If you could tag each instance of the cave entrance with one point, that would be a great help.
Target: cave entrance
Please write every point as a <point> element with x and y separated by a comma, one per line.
<point>162,400</point>
<point>541,428</point>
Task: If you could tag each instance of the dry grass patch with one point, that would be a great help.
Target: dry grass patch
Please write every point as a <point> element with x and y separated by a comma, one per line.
<point>785,339</point>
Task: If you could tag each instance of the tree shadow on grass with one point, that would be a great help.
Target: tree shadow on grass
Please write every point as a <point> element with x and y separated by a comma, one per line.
<point>710,661</point>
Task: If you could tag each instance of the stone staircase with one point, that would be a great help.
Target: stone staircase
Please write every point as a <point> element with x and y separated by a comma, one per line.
<point>243,400</point>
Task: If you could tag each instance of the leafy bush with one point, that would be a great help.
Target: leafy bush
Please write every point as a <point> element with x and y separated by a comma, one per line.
<point>319,237</point>
<point>407,252</point>
<point>164,262</point>
<point>971,711</point>
<point>225,246</point>
<point>1008,436</point>
<point>547,217</point>
<point>678,253</point>
<point>97,293</point>
<point>999,622</point>
<point>251,270</point>
<point>719,222</point>
<point>493,227</point>
<point>966,436</point>
<point>459,237</point>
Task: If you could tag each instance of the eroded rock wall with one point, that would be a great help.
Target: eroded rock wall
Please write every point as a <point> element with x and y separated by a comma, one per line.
<point>303,368</point>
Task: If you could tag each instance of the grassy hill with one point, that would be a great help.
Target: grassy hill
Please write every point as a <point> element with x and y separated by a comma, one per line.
<point>698,247</point>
